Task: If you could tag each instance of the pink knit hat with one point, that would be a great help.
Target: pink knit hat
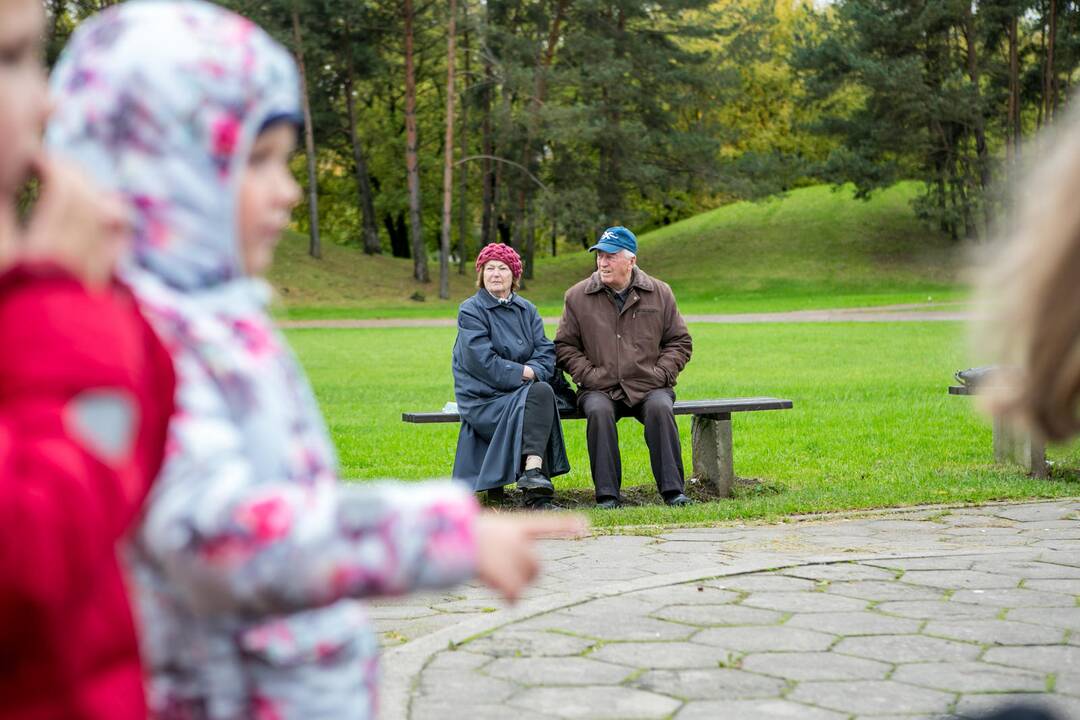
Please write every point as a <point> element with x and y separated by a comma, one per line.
<point>502,253</point>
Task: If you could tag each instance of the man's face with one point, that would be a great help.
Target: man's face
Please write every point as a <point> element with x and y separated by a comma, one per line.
<point>24,104</point>
<point>615,268</point>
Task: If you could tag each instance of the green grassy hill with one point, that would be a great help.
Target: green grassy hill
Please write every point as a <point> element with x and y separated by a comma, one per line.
<point>814,248</point>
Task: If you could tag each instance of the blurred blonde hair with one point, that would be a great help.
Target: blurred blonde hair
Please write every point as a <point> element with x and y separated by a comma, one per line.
<point>1029,293</point>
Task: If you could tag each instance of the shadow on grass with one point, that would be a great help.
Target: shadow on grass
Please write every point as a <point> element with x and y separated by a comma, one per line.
<point>635,495</point>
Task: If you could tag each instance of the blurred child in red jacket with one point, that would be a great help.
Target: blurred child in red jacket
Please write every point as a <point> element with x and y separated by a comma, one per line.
<point>86,390</point>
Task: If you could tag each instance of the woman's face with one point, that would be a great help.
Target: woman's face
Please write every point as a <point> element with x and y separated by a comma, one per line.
<point>24,101</point>
<point>498,278</point>
<point>268,193</point>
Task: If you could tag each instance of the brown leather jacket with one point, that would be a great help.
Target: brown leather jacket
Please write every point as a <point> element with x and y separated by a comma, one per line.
<point>623,354</point>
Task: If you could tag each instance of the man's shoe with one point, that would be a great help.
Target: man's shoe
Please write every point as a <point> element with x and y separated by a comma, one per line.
<point>608,504</point>
<point>534,482</point>
<point>678,500</point>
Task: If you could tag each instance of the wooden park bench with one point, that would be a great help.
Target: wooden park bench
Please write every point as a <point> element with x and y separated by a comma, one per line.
<point>1012,444</point>
<point>710,432</point>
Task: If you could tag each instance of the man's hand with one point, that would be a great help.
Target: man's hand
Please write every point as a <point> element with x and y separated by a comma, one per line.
<point>527,374</point>
<point>505,557</point>
<point>74,224</point>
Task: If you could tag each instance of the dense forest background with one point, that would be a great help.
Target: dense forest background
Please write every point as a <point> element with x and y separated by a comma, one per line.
<point>437,127</point>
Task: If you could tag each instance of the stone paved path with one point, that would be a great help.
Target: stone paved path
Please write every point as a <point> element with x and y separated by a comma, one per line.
<point>920,312</point>
<point>927,613</point>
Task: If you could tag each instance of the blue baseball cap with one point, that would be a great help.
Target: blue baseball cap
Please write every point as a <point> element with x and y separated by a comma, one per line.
<point>615,239</point>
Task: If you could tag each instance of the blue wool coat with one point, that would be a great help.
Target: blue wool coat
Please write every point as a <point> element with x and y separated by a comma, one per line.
<point>494,342</point>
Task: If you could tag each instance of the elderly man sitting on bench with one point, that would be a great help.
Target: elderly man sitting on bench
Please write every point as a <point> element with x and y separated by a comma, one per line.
<point>623,341</point>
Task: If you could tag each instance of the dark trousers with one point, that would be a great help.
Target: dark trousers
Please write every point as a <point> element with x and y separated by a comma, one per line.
<point>661,436</point>
<point>539,419</point>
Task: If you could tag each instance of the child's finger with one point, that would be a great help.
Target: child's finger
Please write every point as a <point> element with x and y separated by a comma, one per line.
<point>556,526</point>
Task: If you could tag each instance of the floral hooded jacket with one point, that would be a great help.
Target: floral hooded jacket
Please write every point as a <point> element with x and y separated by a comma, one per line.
<point>249,552</point>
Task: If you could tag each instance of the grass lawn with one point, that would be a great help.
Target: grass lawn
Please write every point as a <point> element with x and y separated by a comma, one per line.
<point>872,424</point>
<point>815,248</point>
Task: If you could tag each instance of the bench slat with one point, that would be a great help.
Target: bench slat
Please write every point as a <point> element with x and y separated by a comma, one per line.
<point>682,407</point>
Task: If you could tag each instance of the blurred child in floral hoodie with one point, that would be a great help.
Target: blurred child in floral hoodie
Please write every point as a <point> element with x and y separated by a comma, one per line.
<point>250,554</point>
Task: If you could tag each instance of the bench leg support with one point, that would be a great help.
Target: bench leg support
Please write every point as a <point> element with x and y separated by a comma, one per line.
<point>1023,448</point>
<point>710,436</point>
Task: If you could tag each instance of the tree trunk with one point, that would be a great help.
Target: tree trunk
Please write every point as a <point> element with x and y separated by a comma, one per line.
<point>372,244</point>
<point>535,105</point>
<point>463,188</point>
<point>399,234</point>
<point>982,152</point>
<point>448,157</point>
<point>412,159</point>
<point>314,246</point>
<point>1049,75</point>
<point>487,131</point>
<point>1012,142</point>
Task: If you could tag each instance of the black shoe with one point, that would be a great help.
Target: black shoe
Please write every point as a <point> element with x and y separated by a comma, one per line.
<point>678,500</point>
<point>608,503</point>
<point>534,482</point>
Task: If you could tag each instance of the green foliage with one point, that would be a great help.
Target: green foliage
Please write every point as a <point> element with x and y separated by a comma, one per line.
<point>815,248</point>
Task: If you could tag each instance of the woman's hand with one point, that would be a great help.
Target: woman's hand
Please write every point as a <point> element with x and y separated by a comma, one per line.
<point>527,374</point>
<point>505,557</point>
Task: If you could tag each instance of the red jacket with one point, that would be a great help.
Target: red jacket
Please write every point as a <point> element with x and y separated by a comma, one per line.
<point>86,391</point>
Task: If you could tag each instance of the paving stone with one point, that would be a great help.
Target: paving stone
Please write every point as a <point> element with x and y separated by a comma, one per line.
<point>701,535</point>
<point>1028,569</point>
<point>840,571</point>
<point>436,709</point>
<point>1068,685</point>
<point>997,632</point>
<point>607,628</point>
<point>1065,586</point>
<point>1064,660</point>
<point>456,660</point>
<point>400,612</point>
<point>455,687</point>
<point>661,655</point>
<point>710,684</point>
<point>804,602</point>
<point>979,531</point>
<point>977,706</point>
<point>595,703</point>
<point>872,697</point>
<point>701,550</point>
<point>1016,540</point>
<point>802,666</point>
<point>770,582</point>
<point>937,610</point>
<point>685,595</point>
<point>715,615</point>
<point>765,639</point>
<point>959,579</point>
<point>556,671</point>
<point>855,623</point>
<point>930,563</point>
<point>884,590</point>
<point>907,648</point>
<point>1035,513</point>
<point>1055,617</point>
<point>904,526</point>
<point>753,709</point>
<point>516,642</point>
<point>1014,598</point>
<point>969,677</point>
